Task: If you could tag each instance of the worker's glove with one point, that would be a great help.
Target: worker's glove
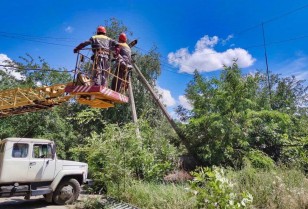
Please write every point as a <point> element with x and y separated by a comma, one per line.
<point>76,50</point>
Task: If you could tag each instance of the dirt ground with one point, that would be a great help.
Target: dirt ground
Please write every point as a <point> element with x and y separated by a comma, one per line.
<point>37,202</point>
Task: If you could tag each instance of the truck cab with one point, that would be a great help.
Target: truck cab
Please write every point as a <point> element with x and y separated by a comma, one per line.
<point>30,167</point>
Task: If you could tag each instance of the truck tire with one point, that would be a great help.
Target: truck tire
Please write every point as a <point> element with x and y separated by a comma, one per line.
<point>67,192</point>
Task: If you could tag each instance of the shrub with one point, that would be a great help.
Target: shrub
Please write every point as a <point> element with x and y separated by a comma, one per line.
<point>118,155</point>
<point>213,190</point>
<point>259,159</point>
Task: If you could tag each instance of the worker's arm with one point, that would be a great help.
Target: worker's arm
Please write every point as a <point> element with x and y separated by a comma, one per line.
<point>112,45</point>
<point>82,45</point>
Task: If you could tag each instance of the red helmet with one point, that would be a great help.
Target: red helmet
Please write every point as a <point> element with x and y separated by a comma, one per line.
<point>101,29</point>
<point>122,37</point>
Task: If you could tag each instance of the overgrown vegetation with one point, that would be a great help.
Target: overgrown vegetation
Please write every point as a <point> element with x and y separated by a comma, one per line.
<point>157,195</point>
<point>117,156</point>
<point>282,187</point>
<point>234,117</point>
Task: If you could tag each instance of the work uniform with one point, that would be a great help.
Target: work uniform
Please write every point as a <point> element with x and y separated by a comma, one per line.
<point>123,65</point>
<point>101,46</point>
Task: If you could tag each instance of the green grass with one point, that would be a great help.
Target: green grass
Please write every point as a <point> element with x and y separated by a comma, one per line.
<point>151,195</point>
<point>282,188</point>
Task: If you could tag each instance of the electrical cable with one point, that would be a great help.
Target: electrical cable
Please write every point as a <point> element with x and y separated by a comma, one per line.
<point>32,36</point>
<point>285,14</point>
<point>38,41</point>
<point>271,20</point>
<point>33,69</point>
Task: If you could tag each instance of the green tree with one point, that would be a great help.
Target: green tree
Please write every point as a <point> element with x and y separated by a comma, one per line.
<point>232,117</point>
<point>289,95</point>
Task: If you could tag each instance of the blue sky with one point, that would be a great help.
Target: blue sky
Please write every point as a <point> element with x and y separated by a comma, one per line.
<point>189,34</point>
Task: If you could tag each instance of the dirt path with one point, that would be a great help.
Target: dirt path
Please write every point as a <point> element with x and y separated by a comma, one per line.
<point>34,203</point>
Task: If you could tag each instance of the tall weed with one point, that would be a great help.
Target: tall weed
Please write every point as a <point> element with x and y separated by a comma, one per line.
<point>156,195</point>
<point>281,188</point>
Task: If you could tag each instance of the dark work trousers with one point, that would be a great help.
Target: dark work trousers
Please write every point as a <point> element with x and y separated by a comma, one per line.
<point>100,71</point>
<point>121,75</point>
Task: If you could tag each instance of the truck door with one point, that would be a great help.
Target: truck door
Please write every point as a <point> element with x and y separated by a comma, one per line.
<point>41,165</point>
<point>15,162</point>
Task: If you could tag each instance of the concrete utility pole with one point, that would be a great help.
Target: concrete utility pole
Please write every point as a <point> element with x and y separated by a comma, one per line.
<point>132,105</point>
<point>266,62</point>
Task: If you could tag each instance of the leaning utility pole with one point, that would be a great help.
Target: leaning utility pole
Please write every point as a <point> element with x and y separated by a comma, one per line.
<point>161,106</point>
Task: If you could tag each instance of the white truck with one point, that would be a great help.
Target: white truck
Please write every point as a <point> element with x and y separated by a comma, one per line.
<point>30,167</point>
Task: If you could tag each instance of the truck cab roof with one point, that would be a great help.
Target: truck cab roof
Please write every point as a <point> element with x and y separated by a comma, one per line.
<point>19,139</point>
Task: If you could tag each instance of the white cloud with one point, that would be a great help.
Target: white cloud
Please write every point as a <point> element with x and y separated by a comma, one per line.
<point>301,75</point>
<point>166,98</point>
<point>69,29</point>
<point>224,41</point>
<point>205,59</point>
<point>297,67</point>
<point>5,60</point>
<point>39,84</point>
<point>185,103</point>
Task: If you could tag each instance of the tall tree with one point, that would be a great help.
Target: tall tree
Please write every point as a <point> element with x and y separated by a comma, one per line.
<point>231,117</point>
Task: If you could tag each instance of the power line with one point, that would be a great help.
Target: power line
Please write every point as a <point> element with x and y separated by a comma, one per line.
<point>285,14</point>
<point>36,37</point>
<point>44,42</point>
<point>34,69</point>
<point>272,19</point>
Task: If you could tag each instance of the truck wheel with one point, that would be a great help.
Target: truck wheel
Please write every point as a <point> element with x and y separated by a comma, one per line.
<point>67,192</point>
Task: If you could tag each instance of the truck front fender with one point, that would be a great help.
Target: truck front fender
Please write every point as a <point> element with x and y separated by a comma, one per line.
<point>77,174</point>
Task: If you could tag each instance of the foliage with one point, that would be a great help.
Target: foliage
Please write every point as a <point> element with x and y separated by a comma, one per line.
<point>40,73</point>
<point>259,159</point>
<point>289,94</point>
<point>118,155</point>
<point>8,81</point>
<point>214,190</point>
<point>233,114</point>
<point>268,130</point>
<point>281,187</point>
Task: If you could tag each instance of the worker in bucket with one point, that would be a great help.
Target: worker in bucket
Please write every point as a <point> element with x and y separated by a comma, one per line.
<point>101,47</point>
<point>123,64</point>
